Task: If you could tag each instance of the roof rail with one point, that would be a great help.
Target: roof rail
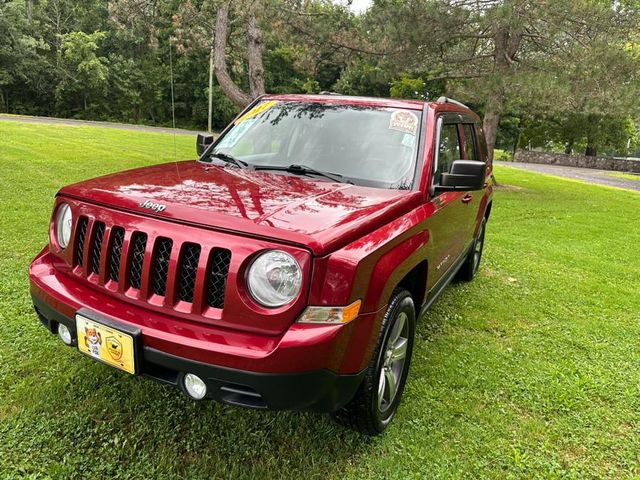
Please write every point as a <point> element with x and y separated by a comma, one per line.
<point>326,92</point>
<point>444,99</point>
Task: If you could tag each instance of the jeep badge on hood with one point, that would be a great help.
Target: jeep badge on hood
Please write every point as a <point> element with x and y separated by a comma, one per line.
<point>156,207</point>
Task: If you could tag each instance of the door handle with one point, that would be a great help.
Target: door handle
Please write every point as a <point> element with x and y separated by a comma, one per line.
<point>467,198</point>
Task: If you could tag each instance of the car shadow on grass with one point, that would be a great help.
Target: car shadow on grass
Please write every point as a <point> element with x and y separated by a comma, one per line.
<point>97,421</point>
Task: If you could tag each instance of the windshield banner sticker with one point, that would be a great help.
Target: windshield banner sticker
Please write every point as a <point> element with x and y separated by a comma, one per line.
<point>231,138</point>
<point>404,121</point>
<point>261,107</point>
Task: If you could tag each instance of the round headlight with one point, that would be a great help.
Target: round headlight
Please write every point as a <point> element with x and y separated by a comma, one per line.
<point>274,278</point>
<point>64,220</point>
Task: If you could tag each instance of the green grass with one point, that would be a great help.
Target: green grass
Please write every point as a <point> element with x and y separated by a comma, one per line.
<point>532,370</point>
<point>626,176</point>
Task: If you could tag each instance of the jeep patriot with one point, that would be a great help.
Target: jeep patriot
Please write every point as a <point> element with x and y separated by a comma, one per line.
<point>286,267</point>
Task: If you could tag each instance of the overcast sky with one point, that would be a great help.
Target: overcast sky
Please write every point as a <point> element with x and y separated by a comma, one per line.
<point>357,6</point>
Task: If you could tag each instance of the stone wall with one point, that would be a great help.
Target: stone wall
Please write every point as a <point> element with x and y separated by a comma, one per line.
<point>601,163</point>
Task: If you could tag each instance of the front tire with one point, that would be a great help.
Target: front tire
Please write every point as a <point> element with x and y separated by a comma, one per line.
<point>376,401</point>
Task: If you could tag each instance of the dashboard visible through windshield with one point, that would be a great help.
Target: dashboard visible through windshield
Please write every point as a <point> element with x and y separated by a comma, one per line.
<point>372,146</point>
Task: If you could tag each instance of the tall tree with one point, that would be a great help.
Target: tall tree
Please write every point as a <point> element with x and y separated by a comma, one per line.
<point>254,53</point>
<point>85,71</point>
<point>487,50</point>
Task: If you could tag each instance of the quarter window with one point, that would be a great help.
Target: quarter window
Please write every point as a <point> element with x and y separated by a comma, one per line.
<point>448,150</point>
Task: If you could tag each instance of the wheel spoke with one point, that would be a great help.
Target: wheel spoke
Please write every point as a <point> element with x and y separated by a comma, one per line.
<point>397,329</point>
<point>399,350</point>
<point>391,384</point>
<point>381,385</point>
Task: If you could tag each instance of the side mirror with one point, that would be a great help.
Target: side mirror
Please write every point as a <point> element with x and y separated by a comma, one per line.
<point>203,140</point>
<point>464,175</point>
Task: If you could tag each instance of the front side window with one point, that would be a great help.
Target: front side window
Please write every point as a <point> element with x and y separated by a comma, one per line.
<point>448,150</point>
<point>469,140</point>
<point>372,146</point>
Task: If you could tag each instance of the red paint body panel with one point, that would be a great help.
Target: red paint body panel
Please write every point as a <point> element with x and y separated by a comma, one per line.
<point>352,242</point>
<point>318,215</point>
<point>301,348</point>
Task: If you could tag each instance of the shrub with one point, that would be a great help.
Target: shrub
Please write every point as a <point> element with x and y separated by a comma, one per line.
<point>502,155</point>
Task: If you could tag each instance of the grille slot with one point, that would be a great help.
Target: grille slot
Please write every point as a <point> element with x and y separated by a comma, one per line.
<point>139,241</point>
<point>124,264</point>
<point>116,253</point>
<point>97,247</point>
<point>82,233</point>
<point>188,271</point>
<point>217,279</point>
<point>161,265</point>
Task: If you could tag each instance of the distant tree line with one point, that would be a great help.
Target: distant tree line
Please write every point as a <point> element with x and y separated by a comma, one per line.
<point>560,75</point>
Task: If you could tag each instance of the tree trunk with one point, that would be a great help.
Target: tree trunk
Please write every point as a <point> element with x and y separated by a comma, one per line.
<point>516,142</point>
<point>209,118</point>
<point>491,119</point>
<point>254,51</point>
<point>592,149</point>
<point>593,134</point>
<point>29,8</point>
<point>568,148</point>
<point>228,86</point>
<point>507,40</point>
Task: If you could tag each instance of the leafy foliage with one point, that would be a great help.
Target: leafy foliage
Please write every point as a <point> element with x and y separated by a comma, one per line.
<point>561,75</point>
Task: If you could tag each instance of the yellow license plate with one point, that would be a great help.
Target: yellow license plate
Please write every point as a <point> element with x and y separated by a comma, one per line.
<point>106,344</point>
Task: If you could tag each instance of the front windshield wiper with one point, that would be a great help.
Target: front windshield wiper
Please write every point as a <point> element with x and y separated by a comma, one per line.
<point>225,157</point>
<point>304,170</point>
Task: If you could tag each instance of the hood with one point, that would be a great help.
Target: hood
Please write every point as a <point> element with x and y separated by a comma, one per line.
<point>317,214</point>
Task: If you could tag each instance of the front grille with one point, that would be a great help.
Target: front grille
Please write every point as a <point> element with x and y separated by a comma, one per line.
<point>137,257</point>
<point>82,232</point>
<point>218,272</point>
<point>126,268</point>
<point>161,265</point>
<point>116,253</point>
<point>97,248</point>
<point>188,271</point>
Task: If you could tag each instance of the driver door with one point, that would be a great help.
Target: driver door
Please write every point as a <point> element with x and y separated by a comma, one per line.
<point>449,223</point>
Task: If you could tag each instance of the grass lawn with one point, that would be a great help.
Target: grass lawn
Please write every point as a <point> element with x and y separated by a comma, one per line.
<point>532,370</point>
<point>627,176</point>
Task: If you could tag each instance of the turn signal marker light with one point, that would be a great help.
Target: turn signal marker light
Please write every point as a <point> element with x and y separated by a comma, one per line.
<point>331,315</point>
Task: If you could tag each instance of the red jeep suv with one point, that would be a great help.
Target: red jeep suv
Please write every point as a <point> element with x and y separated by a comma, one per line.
<point>286,267</point>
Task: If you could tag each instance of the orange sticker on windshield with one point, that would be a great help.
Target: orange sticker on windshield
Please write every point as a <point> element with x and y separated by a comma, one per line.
<point>404,121</point>
<point>258,109</point>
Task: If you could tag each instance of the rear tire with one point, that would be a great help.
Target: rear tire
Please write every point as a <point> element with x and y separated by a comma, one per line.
<point>471,265</point>
<point>377,399</point>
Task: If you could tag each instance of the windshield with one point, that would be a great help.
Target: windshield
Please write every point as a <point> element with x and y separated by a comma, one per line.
<point>364,145</point>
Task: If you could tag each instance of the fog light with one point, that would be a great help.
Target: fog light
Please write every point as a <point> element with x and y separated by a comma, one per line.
<point>195,386</point>
<point>64,334</point>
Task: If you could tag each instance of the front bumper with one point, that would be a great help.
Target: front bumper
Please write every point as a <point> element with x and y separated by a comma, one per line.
<point>311,367</point>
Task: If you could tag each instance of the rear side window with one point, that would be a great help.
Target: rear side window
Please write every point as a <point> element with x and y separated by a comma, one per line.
<point>448,150</point>
<point>469,140</point>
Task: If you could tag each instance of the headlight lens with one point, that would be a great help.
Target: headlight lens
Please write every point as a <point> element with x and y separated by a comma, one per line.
<point>274,278</point>
<point>64,220</point>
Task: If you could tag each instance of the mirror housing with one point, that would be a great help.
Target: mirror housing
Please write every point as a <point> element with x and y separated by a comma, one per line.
<point>203,140</point>
<point>464,175</point>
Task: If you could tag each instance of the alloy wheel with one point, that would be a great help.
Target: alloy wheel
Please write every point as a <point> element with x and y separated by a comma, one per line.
<point>393,360</point>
